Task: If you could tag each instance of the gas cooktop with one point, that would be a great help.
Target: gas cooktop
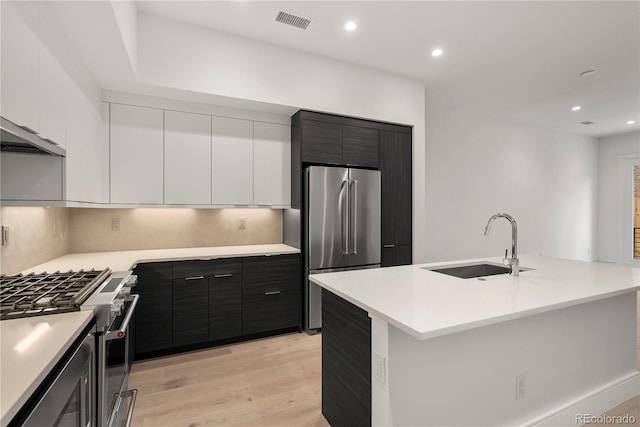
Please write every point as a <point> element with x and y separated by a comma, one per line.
<point>47,293</point>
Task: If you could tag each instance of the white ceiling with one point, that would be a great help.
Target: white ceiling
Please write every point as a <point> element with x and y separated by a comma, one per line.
<point>516,59</point>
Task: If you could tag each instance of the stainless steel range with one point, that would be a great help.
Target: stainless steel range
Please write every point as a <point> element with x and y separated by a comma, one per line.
<point>108,295</point>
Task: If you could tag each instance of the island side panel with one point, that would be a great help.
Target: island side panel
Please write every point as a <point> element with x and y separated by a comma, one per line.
<point>581,358</point>
<point>346,362</point>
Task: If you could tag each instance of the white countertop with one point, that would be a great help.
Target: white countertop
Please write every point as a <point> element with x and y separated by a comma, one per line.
<point>426,304</point>
<point>124,260</point>
<point>29,349</point>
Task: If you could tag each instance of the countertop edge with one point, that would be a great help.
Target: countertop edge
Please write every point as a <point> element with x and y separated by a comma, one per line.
<point>15,407</point>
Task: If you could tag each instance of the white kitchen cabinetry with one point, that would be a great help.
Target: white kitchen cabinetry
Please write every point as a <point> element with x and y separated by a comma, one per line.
<point>136,170</point>
<point>20,51</point>
<point>272,164</point>
<point>187,158</point>
<point>54,84</point>
<point>232,160</point>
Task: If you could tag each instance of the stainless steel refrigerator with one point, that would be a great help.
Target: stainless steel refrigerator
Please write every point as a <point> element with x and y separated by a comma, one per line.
<point>342,224</point>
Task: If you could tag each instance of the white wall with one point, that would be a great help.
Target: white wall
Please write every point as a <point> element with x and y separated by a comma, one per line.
<point>175,55</point>
<point>477,166</point>
<point>608,222</point>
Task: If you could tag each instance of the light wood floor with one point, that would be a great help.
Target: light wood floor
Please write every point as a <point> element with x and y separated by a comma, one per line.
<point>268,382</point>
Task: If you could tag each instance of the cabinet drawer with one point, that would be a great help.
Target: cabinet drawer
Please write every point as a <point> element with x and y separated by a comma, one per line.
<point>270,274</point>
<point>206,268</point>
<point>270,310</point>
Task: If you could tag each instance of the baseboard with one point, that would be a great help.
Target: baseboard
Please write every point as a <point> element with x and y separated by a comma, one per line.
<point>594,403</point>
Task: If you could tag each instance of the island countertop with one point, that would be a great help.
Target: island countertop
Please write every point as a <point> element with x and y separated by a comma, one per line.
<point>427,304</point>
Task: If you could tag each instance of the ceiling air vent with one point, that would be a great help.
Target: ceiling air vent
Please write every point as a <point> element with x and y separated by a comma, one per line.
<point>294,20</point>
<point>587,122</point>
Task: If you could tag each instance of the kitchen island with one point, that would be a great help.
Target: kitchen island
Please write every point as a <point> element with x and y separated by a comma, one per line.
<point>538,349</point>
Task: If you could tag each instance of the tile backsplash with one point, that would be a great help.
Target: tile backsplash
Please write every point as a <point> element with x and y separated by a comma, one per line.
<point>91,230</point>
<point>40,234</point>
<point>36,235</point>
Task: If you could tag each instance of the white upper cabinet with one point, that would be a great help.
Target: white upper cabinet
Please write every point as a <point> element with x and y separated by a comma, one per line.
<point>136,170</point>
<point>187,158</point>
<point>55,85</point>
<point>232,159</point>
<point>19,73</point>
<point>272,164</point>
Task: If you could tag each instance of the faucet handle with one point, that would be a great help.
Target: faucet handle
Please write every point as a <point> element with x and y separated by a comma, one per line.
<point>506,260</point>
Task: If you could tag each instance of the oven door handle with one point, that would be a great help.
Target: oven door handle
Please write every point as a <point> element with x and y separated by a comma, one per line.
<point>120,333</point>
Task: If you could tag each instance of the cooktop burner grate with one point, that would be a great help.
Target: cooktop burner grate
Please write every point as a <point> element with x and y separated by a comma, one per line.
<point>47,293</point>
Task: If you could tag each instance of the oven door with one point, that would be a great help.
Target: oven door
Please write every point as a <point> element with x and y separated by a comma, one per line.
<point>118,355</point>
<point>69,401</point>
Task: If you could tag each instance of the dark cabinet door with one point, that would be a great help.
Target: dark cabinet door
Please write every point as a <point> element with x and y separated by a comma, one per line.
<point>271,293</point>
<point>154,312</point>
<point>225,300</point>
<point>190,310</point>
<point>395,255</point>
<point>396,174</point>
<point>321,142</point>
<point>360,147</point>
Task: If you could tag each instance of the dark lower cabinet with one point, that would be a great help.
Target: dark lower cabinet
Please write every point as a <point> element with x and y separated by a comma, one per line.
<point>270,293</point>
<point>154,312</point>
<point>225,300</point>
<point>346,363</point>
<point>393,255</point>
<point>190,304</point>
<point>190,310</point>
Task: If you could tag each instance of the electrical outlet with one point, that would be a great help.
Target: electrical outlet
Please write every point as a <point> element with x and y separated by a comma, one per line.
<point>520,387</point>
<point>5,235</point>
<point>379,363</point>
<point>242,223</point>
<point>115,224</point>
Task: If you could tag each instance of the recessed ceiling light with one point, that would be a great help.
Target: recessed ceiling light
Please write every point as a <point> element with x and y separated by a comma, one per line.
<point>576,108</point>
<point>630,122</point>
<point>350,26</point>
<point>587,73</point>
<point>436,52</point>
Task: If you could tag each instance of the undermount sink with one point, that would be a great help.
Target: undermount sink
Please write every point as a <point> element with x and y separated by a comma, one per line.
<point>469,271</point>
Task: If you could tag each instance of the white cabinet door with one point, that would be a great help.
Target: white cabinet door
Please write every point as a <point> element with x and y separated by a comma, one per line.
<point>187,158</point>
<point>272,164</point>
<point>232,159</point>
<point>19,73</point>
<point>136,170</point>
<point>55,85</point>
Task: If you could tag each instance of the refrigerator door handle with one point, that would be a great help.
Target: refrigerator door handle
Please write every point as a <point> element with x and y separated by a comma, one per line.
<point>353,225</point>
<point>344,216</point>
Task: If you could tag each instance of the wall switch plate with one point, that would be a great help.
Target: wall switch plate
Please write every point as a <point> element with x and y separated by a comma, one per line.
<point>242,223</point>
<point>115,224</point>
<point>379,368</point>
<point>520,387</point>
<point>5,235</point>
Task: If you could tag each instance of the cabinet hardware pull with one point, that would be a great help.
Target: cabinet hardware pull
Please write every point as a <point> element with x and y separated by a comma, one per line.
<point>388,246</point>
<point>272,293</point>
<point>220,276</point>
<point>194,278</point>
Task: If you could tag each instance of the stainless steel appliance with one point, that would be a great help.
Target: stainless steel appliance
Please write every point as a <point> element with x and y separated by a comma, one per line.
<point>342,224</point>
<point>108,295</point>
<point>69,398</point>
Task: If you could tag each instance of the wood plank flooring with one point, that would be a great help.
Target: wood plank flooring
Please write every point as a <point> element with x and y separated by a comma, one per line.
<point>267,382</point>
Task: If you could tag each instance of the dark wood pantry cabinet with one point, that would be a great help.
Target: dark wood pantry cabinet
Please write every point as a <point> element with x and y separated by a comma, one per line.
<point>396,203</point>
<point>198,303</point>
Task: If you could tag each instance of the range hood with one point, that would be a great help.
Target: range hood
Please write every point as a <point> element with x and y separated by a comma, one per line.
<point>16,139</point>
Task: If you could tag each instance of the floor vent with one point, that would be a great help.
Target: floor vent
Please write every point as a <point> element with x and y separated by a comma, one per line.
<point>294,20</point>
<point>587,122</point>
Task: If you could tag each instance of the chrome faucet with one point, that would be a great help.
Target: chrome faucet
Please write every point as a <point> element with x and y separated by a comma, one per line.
<point>514,262</point>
